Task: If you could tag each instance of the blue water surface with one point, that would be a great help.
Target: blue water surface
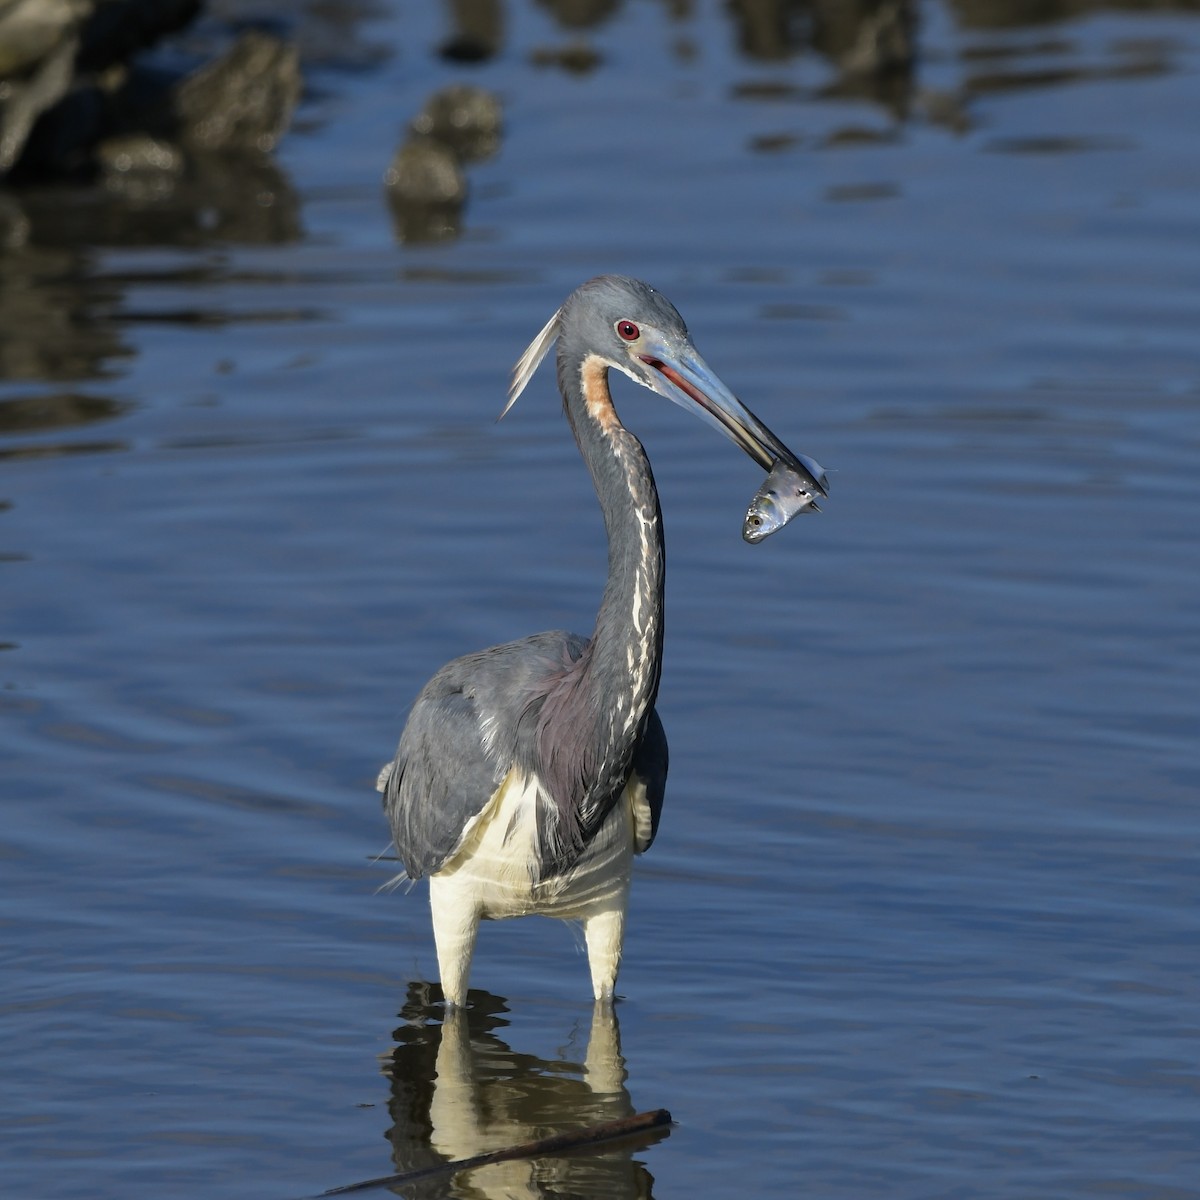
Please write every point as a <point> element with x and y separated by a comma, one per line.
<point>923,919</point>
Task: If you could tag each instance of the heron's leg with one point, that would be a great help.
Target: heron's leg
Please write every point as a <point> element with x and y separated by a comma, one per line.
<point>455,925</point>
<point>604,932</point>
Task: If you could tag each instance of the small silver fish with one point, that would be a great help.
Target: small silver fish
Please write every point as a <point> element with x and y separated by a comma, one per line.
<point>787,491</point>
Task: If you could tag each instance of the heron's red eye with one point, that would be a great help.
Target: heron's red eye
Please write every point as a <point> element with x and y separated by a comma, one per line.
<point>628,330</point>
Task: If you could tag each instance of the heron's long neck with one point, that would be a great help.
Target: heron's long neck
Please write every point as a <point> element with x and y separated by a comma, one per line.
<point>626,647</point>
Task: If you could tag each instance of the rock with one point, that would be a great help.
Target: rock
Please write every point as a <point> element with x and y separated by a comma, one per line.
<point>139,167</point>
<point>54,56</point>
<point>242,101</point>
<point>23,99</point>
<point>133,153</point>
<point>68,84</point>
<point>425,171</point>
<point>581,14</point>
<point>30,30</point>
<point>466,119</point>
<point>478,31</point>
<point>425,184</point>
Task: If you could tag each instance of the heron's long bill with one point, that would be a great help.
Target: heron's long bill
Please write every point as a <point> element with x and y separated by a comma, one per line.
<point>688,380</point>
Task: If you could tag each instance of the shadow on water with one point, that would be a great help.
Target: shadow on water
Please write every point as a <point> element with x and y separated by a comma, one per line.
<point>58,327</point>
<point>65,320</point>
<point>458,1089</point>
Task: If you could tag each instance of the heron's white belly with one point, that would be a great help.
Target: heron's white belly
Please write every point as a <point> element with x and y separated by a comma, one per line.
<point>491,870</point>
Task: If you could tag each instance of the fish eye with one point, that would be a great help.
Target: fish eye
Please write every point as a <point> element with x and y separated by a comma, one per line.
<point>628,331</point>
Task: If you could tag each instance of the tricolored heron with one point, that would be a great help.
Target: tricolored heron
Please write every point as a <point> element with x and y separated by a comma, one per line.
<point>529,775</point>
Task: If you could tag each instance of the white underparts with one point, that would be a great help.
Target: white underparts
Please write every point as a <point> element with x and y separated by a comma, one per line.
<point>492,876</point>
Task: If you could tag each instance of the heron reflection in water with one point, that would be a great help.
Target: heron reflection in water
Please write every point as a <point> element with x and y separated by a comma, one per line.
<point>529,775</point>
<point>462,1086</point>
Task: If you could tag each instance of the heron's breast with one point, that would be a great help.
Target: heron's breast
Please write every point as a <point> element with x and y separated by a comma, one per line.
<point>496,866</point>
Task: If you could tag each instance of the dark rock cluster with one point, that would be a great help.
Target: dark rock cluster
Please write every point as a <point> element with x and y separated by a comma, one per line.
<point>175,139</point>
<point>426,184</point>
<point>75,103</point>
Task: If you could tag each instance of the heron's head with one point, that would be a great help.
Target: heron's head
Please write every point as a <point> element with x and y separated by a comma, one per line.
<point>630,327</point>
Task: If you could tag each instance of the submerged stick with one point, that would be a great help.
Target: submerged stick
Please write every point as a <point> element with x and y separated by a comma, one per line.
<point>559,1143</point>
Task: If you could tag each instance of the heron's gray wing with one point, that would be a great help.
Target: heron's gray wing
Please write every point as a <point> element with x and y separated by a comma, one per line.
<point>441,778</point>
<point>650,766</point>
<point>462,737</point>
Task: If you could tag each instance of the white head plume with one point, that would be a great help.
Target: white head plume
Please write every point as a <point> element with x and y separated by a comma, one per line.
<point>530,360</point>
